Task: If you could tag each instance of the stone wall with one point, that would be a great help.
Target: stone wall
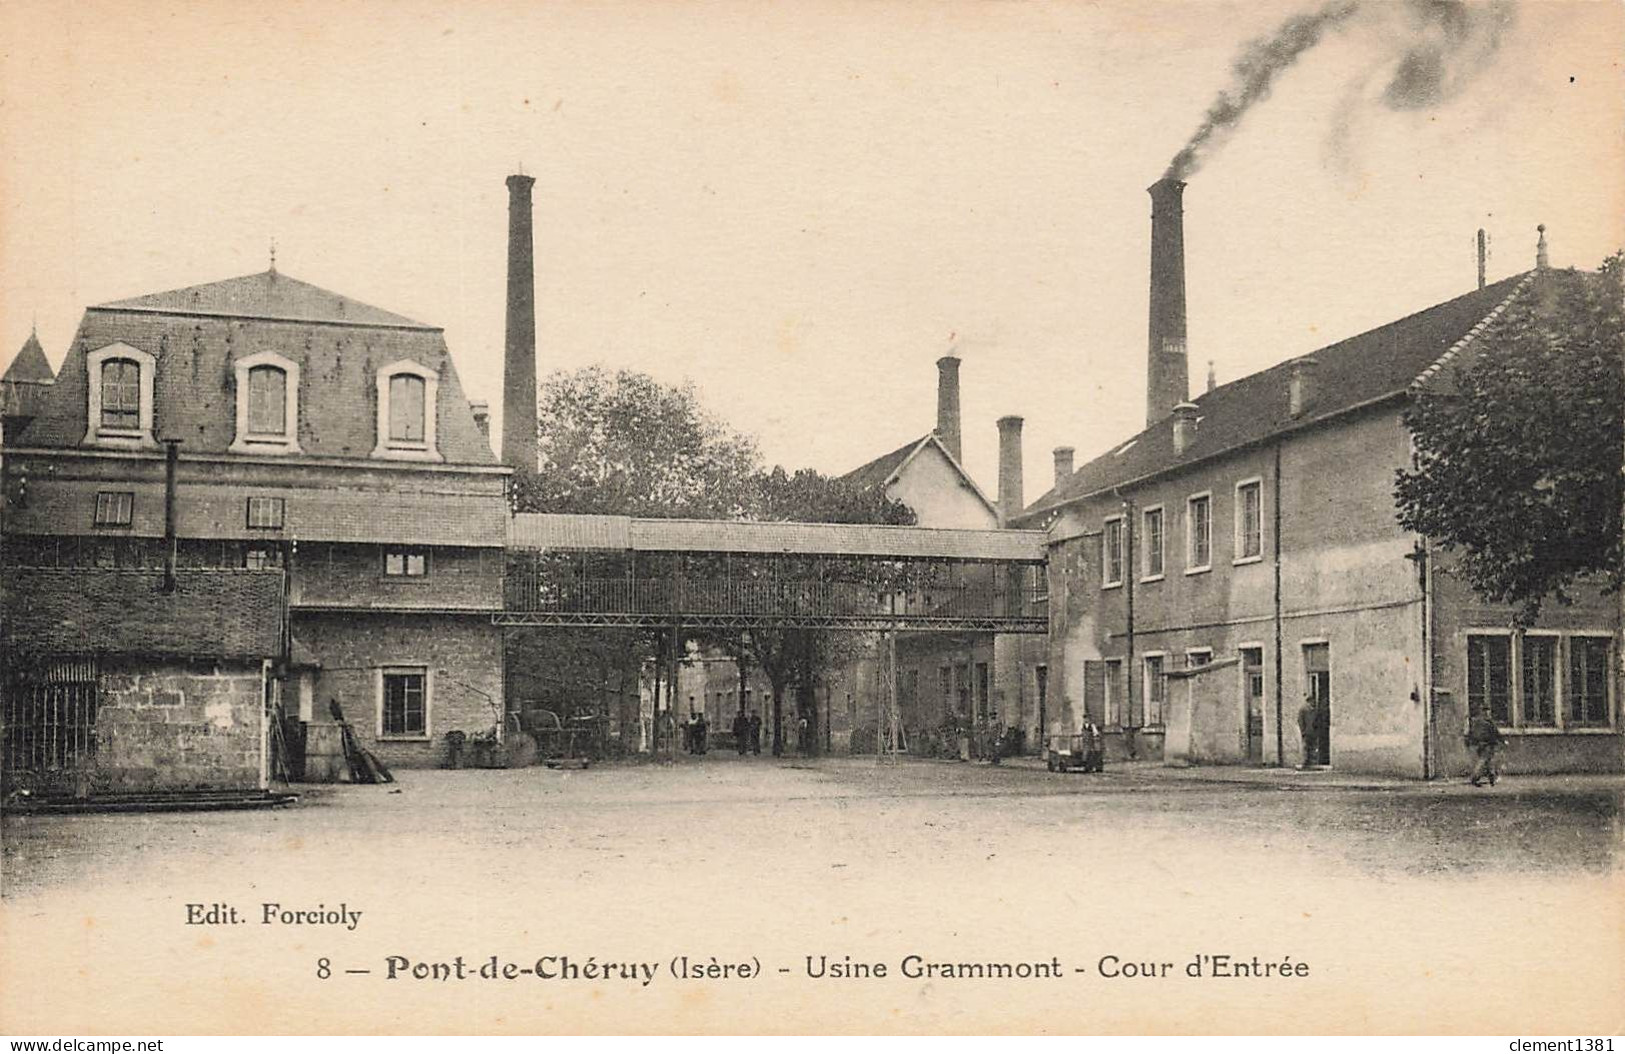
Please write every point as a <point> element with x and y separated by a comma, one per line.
<point>178,726</point>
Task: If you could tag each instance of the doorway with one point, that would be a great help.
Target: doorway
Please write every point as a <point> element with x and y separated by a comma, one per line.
<point>1317,671</point>
<point>1252,693</point>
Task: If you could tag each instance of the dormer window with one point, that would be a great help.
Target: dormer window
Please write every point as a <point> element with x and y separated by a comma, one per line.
<point>405,408</point>
<point>267,404</point>
<point>119,396</point>
<point>406,412</point>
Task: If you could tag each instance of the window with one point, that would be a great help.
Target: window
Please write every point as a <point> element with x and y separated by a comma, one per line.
<point>1113,715</point>
<point>1198,533</point>
<point>265,513</point>
<point>118,382</point>
<point>1539,683</point>
<point>1249,521</point>
<point>406,412</point>
<point>121,395</point>
<point>406,563</point>
<point>267,401</point>
<point>115,508</point>
<point>1152,533</point>
<point>1195,657</point>
<point>404,707</point>
<point>1588,681</point>
<point>406,408</point>
<point>1156,689</point>
<point>261,558</point>
<point>1489,675</point>
<point>1111,560</point>
<point>267,404</point>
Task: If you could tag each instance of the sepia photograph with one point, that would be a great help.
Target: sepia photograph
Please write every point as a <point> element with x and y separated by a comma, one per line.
<point>743,518</point>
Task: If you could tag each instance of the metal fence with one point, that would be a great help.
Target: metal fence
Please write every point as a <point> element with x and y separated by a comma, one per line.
<point>49,734</point>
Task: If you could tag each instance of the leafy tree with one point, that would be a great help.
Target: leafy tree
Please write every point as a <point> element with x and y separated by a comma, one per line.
<point>624,443</point>
<point>802,657</point>
<point>1518,462</point>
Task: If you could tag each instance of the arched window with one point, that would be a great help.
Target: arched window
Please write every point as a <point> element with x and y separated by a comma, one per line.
<point>406,406</point>
<point>267,404</point>
<point>121,394</point>
<point>267,401</point>
<point>407,391</point>
<point>118,389</point>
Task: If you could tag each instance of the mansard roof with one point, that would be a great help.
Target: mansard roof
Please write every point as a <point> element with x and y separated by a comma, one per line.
<point>197,334</point>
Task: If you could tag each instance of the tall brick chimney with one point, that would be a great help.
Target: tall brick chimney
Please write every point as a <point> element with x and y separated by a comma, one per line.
<point>1010,484</point>
<point>948,403</point>
<point>1167,371</point>
<point>519,363</point>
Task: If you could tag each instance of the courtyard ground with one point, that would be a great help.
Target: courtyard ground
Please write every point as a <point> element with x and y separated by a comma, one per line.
<point>1416,907</point>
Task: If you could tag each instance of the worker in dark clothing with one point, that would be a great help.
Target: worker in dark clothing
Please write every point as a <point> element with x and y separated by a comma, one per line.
<point>741,732</point>
<point>1309,731</point>
<point>1483,739</point>
<point>755,725</point>
<point>701,726</point>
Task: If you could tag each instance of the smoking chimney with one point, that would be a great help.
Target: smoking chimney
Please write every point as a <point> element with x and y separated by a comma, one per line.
<point>1063,464</point>
<point>1010,483</point>
<point>948,403</point>
<point>1167,373</point>
<point>519,376</point>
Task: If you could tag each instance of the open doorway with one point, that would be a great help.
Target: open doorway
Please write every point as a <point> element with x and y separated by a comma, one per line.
<point>1252,694</point>
<point>1317,672</point>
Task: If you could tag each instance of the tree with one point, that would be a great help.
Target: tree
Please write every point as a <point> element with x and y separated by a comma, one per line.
<point>623,443</point>
<point>619,443</point>
<point>1518,463</point>
<point>802,657</point>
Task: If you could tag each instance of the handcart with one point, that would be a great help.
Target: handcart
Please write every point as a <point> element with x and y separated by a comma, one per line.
<point>1083,751</point>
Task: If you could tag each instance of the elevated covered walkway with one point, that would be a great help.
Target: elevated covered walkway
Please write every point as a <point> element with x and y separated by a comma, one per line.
<point>572,570</point>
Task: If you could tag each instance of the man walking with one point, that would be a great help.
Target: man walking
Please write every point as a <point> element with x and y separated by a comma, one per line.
<point>755,725</point>
<point>1483,739</point>
<point>741,732</point>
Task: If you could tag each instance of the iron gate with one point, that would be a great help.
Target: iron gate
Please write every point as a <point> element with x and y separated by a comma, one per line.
<point>50,724</point>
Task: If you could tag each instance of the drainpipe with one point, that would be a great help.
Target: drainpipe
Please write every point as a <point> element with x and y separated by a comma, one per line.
<point>1429,733</point>
<point>1280,709</point>
<point>172,456</point>
<point>1128,596</point>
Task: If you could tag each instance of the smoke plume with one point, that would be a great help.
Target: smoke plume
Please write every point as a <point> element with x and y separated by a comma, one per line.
<point>1428,51</point>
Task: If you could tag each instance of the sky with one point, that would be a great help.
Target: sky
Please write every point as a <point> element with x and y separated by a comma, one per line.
<point>801,206</point>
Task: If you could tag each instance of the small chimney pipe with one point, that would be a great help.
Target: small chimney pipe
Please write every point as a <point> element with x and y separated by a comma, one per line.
<point>1010,482</point>
<point>1483,256</point>
<point>172,457</point>
<point>948,404</point>
<point>1301,386</point>
<point>1063,464</point>
<point>1185,415</point>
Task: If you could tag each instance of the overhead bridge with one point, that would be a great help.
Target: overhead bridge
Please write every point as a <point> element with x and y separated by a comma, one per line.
<point>599,571</point>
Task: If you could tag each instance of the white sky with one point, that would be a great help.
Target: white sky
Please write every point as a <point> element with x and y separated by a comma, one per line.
<point>793,204</point>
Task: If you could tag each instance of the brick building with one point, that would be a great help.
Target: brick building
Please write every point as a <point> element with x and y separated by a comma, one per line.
<point>1243,553</point>
<point>321,443</point>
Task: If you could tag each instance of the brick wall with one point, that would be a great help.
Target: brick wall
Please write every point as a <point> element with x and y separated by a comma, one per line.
<point>353,576</point>
<point>460,654</point>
